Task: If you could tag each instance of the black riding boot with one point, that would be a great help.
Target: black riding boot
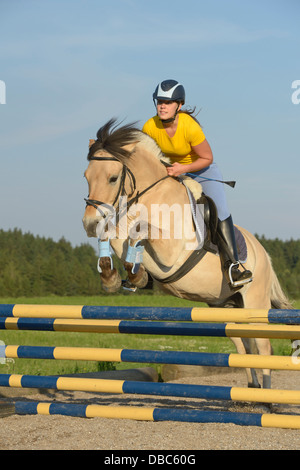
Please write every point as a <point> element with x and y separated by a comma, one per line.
<point>229,255</point>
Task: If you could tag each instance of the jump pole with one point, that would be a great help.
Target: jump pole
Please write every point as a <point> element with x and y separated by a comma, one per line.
<point>154,357</point>
<point>283,316</point>
<point>158,414</point>
<point>151,388</point>
<point>153,327</point>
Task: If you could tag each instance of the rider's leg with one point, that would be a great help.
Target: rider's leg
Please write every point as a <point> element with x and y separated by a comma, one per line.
<point>229,256</point>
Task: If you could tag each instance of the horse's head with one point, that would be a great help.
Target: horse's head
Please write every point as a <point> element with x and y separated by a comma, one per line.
<point>107,175</point>
<point>122,161</point>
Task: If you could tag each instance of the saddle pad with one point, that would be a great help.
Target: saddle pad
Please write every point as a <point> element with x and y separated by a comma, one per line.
<point>241,245</point>
<point>198,221</point>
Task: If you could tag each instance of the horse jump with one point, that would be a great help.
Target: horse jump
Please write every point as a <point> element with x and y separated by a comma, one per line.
<point>8,314</point>
<point>257,315</point>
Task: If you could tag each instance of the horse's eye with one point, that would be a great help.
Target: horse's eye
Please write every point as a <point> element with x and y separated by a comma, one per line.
<point>113,179</point>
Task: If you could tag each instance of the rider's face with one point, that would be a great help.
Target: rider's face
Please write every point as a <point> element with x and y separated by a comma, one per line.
<point>167,109</point>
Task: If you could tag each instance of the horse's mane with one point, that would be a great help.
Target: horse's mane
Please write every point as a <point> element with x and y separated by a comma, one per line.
<point>112,139</point>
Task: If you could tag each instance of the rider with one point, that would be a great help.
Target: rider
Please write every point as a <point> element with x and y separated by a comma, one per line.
<point>181,138</point>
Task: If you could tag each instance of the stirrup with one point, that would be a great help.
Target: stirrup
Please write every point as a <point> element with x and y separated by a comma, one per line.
<point>242,280</point>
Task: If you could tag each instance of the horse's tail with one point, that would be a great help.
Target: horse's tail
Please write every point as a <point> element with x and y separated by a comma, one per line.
<point>278,298</point>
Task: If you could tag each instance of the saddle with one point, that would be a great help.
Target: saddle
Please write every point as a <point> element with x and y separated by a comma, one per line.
<point>211,237</point>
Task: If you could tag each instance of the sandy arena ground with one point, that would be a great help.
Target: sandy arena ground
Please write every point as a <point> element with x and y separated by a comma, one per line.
<point>67,433</point>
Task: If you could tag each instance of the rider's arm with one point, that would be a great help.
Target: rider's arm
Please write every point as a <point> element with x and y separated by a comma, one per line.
<point>205,159</point>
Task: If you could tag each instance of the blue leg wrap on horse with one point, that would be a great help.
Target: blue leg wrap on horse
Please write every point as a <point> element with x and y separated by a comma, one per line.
<point>135,256</point>
<point>104,251</point>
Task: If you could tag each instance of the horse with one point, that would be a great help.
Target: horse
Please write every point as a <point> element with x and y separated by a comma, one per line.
<point>125,164</point>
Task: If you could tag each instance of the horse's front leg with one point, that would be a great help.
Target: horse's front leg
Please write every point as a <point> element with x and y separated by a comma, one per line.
<point>139,279</point>
<point>137,275</point>
<point>110,278</point>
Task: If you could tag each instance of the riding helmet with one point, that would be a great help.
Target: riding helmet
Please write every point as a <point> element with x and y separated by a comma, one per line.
<point>169,90</point>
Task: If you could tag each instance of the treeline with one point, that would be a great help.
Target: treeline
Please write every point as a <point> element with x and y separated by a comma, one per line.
<point>37,266</point>
<point>285,257</point>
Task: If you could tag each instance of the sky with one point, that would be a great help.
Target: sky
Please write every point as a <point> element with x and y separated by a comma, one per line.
<point>68,66</point>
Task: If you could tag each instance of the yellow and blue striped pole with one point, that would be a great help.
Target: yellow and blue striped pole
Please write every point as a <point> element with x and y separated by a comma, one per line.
<point>152,327</point>
<point>154,357</point>
<point>152,388</point>
<point>159,414</point>
<point>254,315</point>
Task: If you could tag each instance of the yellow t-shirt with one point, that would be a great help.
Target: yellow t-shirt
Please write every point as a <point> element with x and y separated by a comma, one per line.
<point>179,147</point>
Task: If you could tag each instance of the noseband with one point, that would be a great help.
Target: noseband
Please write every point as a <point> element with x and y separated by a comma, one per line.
<point>121,191</point>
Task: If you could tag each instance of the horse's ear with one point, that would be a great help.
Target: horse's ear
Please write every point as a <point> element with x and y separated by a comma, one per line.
<point>130,147</point>
<point>91,142</point>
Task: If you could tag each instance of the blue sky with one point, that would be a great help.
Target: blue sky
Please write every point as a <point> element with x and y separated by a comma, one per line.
<point>70,65</point>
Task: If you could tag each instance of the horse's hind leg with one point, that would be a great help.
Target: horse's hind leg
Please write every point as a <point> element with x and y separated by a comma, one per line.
<point>265,349</point>
<point>261,346</point>
<point>243,347</point>
<point>256,298</point>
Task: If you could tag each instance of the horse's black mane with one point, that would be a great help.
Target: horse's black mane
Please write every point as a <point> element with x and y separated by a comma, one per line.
<point>112,138</point>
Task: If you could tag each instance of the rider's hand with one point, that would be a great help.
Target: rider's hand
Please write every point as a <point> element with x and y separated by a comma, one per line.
<point>176,169</point>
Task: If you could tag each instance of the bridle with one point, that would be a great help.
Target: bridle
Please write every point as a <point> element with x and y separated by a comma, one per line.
<point>121,190</point>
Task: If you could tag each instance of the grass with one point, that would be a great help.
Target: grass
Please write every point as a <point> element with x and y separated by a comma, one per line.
<point>124,341</point>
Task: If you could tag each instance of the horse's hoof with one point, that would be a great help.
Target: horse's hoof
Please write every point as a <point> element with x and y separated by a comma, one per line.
<point>140,279</point>
<point>111,289</point>
<point>110,278</point>
<point>112,284</point>
<point>252,385</point>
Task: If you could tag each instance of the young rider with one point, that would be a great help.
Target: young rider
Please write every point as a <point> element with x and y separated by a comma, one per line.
<point>181,138</point>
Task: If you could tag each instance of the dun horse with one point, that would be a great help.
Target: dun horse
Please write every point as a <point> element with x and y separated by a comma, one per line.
<point>128,187</point>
